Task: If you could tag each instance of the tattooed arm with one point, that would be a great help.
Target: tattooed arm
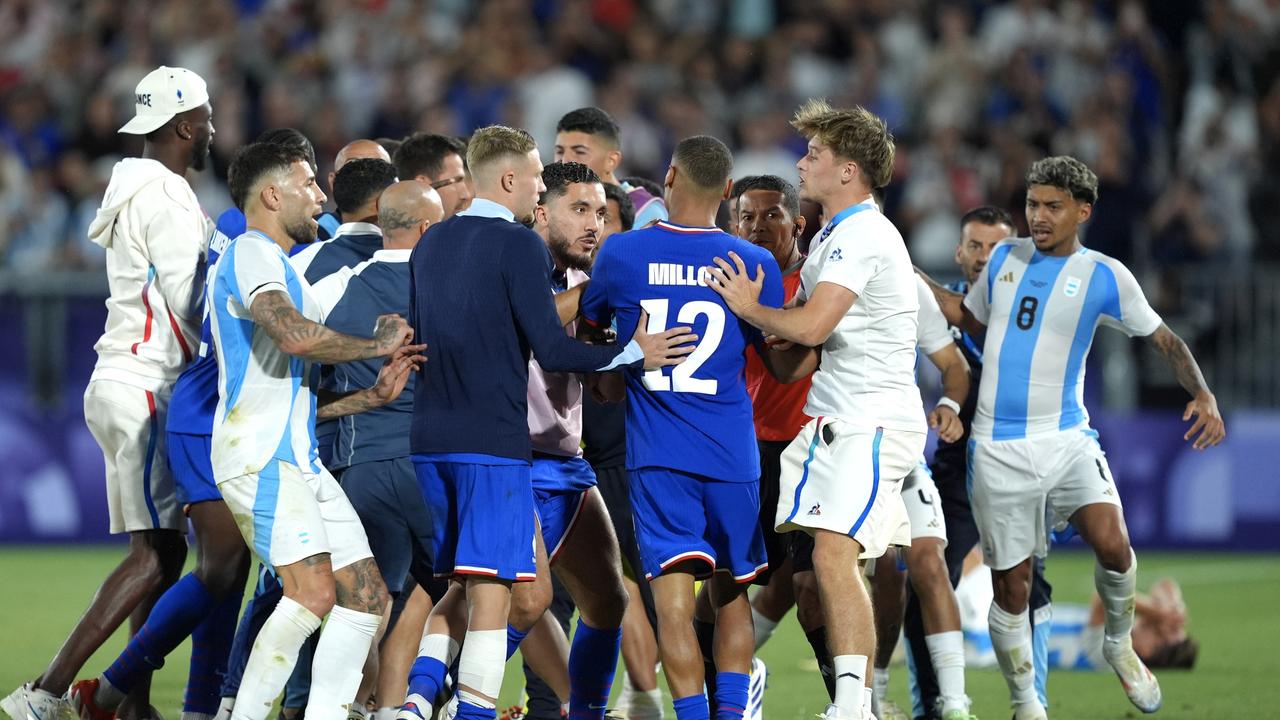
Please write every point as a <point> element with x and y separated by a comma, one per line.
<point>296,335</point>
<point>391,382</point>
<point>1203,405</point>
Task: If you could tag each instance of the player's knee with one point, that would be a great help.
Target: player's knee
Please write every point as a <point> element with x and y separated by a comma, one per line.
<point>529,603</point>
<point>157,556</point>
<point>808,602</point>
<point>223,566</point>
<point>1012,592</point>
<point>316,597</point>
<point>928,570</point>
<point>1115,554</point>
<point>610,607</point>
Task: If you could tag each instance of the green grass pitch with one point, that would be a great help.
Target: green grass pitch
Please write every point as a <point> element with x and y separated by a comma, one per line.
<point>1233,600</point>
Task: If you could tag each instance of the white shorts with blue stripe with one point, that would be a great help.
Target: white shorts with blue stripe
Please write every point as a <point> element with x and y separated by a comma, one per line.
<point>128,423</point>
<point>848,480</point>
<point>1021,489</point>
<point>286,515</point>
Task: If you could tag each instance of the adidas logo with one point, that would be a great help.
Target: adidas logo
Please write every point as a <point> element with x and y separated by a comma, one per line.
<point>816,509</point>
<point>1007,277</point>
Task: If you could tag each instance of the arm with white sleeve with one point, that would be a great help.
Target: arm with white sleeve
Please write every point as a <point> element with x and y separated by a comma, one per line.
<point>934,339</point>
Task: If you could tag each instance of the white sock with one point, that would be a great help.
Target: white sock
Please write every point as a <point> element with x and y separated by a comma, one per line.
<point>1117,592</point>
<point>851,678</point>
<point>339,662</point>
<point>764,628</point>
<point>480,668</point>
<point>224,708</point>
<point>441,647</point>
<point>868,703</point>
<point>946,650</point>
<point>386,713</point>
<point>281,636</point>
<point>108,696</point>
<point>1011,637</point>
<point>879,687</point>
<point>645,705</point>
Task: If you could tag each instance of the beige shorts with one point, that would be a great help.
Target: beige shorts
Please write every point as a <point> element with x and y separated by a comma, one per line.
<point>128,423</point>
<point>287,516</point>
<point>848,480</point>
<point>1021,489</point>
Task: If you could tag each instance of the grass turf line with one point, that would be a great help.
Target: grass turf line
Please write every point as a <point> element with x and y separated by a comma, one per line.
<point>1232,600</point>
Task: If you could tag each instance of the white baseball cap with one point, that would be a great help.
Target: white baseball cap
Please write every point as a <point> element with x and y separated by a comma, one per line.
<point>163,93</point>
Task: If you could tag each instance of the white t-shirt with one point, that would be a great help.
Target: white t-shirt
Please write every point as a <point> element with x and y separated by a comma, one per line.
<point>933,333</point>
<point>867,375</point>
<point>1041,313</point>
<point>266,406</point>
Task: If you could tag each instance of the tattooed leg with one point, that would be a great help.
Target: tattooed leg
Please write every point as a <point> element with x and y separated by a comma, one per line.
<point>360,587</point>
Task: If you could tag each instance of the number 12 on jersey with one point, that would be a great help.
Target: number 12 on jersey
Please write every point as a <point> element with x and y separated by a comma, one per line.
<point>682,379</point>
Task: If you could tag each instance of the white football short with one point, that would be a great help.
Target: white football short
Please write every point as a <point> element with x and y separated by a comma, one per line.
<point>924,509</point>
<point>128,423</point>
<point>848,480</point>
<point>1021,489</point>
<point>286,515</point>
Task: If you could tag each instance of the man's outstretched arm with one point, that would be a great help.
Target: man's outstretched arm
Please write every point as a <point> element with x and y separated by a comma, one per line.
<point>952,305</point>
<point>1203,405</point>
<point>295,335</point>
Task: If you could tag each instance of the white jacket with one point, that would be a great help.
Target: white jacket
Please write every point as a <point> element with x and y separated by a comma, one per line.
<point>155,235</point>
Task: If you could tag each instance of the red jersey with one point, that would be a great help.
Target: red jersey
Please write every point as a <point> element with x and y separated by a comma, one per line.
<point>778,408</point>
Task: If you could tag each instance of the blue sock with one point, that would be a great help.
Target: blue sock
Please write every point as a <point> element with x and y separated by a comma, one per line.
<point>693,707</point>
<point>1040,651</point>
<point>178,611</point>
<point>514,638</point>
<point>471,711</point>
<point>593,658</point>
<point>426,678</point>
<point>210,652</point>
<point>731,695</point>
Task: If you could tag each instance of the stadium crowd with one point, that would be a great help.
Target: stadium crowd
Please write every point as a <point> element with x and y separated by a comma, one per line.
<point>1175,104</point>
<point>452,458</point>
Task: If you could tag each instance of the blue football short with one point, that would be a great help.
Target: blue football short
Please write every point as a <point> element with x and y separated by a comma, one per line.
<point>560,486</point>
<point>681,517</point>
<point>387,498</point>
<point>482,515</point>
<point>192,468</point>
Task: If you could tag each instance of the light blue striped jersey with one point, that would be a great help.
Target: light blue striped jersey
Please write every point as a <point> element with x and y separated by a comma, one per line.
<point>1041,313</point>
<point>266,407</point>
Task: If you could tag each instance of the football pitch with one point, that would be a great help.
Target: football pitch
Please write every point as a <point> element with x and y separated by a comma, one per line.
<point>1232,600</point>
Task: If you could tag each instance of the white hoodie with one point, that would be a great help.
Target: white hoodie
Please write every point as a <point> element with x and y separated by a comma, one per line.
<point>155,235</point>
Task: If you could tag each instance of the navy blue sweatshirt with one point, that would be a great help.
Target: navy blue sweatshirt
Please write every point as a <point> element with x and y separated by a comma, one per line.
<point>480,302</point>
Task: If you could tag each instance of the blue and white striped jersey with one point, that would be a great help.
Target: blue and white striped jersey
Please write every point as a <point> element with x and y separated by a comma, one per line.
<point>1041,313</point>
<point>266,406</point>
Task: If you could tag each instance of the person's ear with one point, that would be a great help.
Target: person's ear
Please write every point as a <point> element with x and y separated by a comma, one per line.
<point>509,181</point>
<point>270,197</point>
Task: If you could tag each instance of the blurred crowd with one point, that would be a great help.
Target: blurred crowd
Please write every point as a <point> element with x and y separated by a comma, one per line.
<point>1174,103</point>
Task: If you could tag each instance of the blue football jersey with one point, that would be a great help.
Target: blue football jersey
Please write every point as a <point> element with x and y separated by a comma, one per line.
<point>195,395</point>
<point>694,417</point>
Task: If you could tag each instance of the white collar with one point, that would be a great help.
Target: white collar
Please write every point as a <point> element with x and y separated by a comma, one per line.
<point>357,228</point>
<point>483,207</point>
<point>397,255</point>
